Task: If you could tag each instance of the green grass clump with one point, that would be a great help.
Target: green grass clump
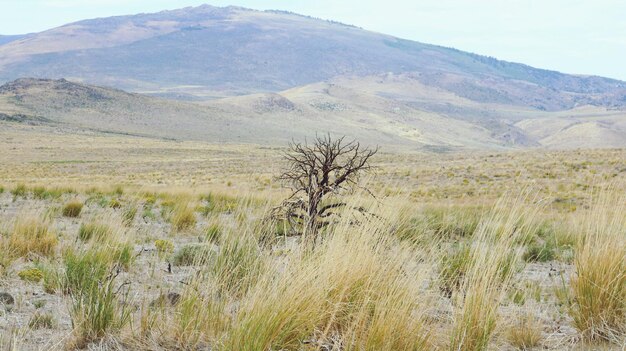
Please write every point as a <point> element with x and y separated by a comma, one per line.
<point>115,204</point>
<point>39,192</point>
<point>19,191</point>
<point>150,199</point>
<point>57,192</point>
<point>438,222</point>
<point>164,247</point>
<point>123,255</point>
<point>454,266</point>
<point>42,193</point>
<point>237,264</point>
<point>33,275</point>
<point>83,268</point>
<point>214,233</point>
<point>147,214</point>
<point>96,309</point>
<point>183,217</point>
<point>118,190</point>
<point>218,203</point>
<point>72,209</point>
<point>128,215</point>
<point>42,321</point>
<point>453,222</point>
<point>191,255</point>
<point>540,252</point>
<point>53,278</point>
<point>94,230</point>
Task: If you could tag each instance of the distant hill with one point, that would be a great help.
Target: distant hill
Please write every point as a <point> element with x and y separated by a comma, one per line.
<point>5,39</point>
<point>396,111</point>
<point>207,52</point>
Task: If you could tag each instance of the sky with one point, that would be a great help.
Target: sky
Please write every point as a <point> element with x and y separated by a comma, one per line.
<point>571,36</point>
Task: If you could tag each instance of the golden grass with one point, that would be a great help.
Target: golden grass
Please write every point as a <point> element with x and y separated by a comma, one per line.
<point>31,234</point>
<point>373,285</point>
<point>492,262</point>
<point>179,211</point>
<point>525,333</point>
<point>351,291</point>
<point>599,284</point>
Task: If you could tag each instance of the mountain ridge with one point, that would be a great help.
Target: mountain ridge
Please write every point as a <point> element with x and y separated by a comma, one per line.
<point>234,51</point>
<point>231,74</point>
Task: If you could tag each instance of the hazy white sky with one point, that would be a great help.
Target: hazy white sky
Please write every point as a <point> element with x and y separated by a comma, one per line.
<point>572,36</point>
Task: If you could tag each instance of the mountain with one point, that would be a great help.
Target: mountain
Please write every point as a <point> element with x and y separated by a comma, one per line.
<point>378,109</point>
<point>207,52</point>
<point>239,75</point>
<point>5,39</point>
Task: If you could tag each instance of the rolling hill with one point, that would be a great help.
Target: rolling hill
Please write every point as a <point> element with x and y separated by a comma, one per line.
<point>380,109</point>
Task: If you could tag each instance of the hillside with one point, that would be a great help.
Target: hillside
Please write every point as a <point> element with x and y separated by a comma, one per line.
<point>207,52</point>
<point>260,118</point>
<point>391,110</point>
<point>5,39</point>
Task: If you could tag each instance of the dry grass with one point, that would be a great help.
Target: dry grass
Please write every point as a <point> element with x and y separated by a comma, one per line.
<point>491,262</point>
<point>433,269</point>
<point>352,292</point>
<point>31,234</point>
<point>599,285</point>
<point>526,333</point>
<point>180,212</point>
<point>378,283</point>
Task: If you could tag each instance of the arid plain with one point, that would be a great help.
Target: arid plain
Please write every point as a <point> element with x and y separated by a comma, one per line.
<point>177,230</point>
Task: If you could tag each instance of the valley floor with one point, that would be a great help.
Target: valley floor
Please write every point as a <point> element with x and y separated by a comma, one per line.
<point>114,242</point>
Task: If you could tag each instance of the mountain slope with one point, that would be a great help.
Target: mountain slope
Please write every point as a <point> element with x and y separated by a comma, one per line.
<point>208,51</point>
<point>5,39</point>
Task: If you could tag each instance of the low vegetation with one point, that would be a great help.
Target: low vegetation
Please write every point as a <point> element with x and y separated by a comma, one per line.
<point>31,235</point>
<point>72,209</point>
<point>411,266</point>
<point>525,333</point>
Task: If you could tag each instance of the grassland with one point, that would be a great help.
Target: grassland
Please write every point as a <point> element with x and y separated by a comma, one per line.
<point>115,242</point>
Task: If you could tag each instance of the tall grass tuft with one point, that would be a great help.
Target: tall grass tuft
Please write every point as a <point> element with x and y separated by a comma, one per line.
<point>97,307</point>
<point>358,290</point>
<point>19,191</point>
<point>94,230</point>
<point>237,263</point>
<point>599,284</point>
<point>179,212</point>
<point>492,261</point>
<point>31,234</point>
